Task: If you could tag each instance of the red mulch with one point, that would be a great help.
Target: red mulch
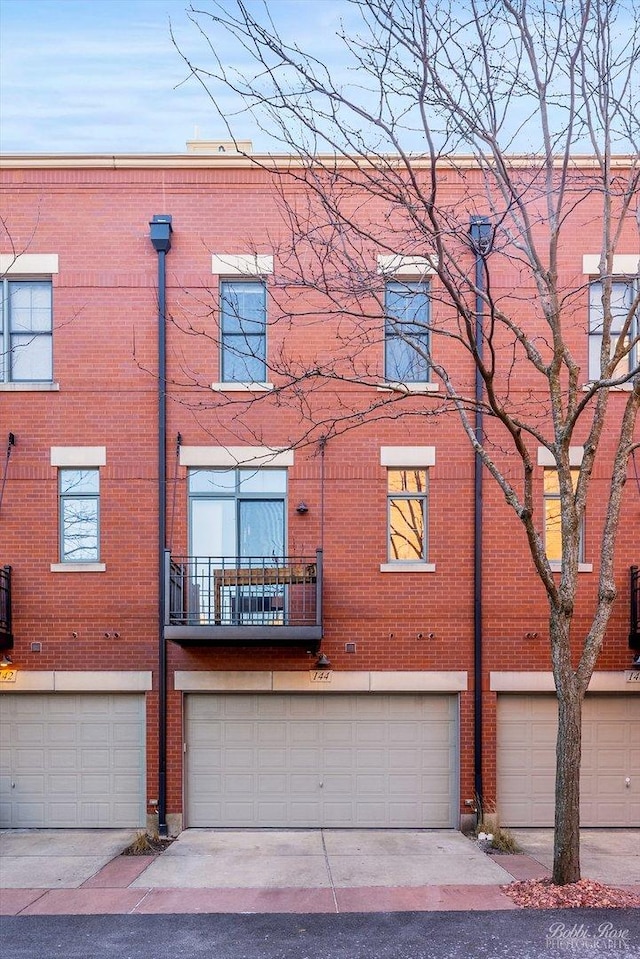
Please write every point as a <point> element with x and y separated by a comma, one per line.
<point>542,894</point>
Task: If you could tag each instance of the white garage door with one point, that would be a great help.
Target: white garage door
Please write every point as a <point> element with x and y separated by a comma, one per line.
<point>72,760</point>
<point>313,760</point>
<point>610,756</point>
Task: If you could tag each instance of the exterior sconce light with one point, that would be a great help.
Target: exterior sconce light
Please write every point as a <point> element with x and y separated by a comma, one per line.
<point>323,661</point>
<point>6,661</point>
<point>302,508</point>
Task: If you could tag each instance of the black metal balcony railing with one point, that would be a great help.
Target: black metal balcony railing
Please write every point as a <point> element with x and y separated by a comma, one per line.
<point>634,620</point>
<point>6,635</point>
<point>255,599</point>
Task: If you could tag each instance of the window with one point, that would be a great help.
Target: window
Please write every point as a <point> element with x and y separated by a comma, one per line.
<point>552,519</point>
<point>406,340</point>
<point>243,317</point>
<point>407,515</point>
<point>622,294</point>
<point>236,524</point>
<point>26,331</point>
<point>79,492</point>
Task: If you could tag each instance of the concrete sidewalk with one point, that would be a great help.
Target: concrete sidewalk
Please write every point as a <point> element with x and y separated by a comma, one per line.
<point>296,871</point>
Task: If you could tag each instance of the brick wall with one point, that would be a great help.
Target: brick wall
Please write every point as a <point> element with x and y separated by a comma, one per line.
<point>105,362</point>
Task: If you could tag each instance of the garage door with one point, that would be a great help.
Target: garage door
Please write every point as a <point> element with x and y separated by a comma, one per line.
<point>312,760</point>
<point>611,756</point>
<point>72,760</point>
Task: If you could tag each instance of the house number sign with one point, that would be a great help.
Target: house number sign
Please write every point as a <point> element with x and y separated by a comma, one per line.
<point>320,675</point>
<point>8,675</point>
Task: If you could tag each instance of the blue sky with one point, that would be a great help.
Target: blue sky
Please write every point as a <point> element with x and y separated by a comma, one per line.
<point>102,76</point>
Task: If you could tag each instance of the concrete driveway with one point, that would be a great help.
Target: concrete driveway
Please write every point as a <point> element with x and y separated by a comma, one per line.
<point>57,858</point>
<point>306,871</point>
<point>321,858</point>
<point>608,855</point>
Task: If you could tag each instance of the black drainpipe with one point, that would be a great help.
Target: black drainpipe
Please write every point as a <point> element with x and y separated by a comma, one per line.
<point>161,238</point>
<point>480,231</point>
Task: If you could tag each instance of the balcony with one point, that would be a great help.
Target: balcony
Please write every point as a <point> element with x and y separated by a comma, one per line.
<point>6,636</point>
<point>634,618</point>
<point>244,601</point>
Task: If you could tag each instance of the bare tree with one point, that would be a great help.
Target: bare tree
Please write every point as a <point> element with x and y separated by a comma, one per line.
<point>457,139</point>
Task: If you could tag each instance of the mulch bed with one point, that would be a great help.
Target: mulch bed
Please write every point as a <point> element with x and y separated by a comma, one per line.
<point>145,845</point>
<point>543,894</point>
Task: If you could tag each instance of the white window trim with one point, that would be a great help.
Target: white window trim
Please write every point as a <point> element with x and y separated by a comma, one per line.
<point>407,456</point>
<point>547,459</point>
<point>235,456</point>
<point>78,457</point>
<point>424,387</point>
<point>624,264</point>
<point>241,264</point>
<point>78,567</point>
<point>29,387</point>
<point>232,387</point>
<point>394,264</point>
<point>582,567</point>
<point>29,264</point>
<point>407,567</point>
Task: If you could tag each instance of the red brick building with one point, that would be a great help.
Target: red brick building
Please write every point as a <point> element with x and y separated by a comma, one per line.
<point>291,640</point>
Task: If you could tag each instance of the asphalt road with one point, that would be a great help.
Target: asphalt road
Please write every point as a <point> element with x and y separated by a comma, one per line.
<point>528,934</point>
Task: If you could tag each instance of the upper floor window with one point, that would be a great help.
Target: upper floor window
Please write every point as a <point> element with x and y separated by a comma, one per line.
<point>237,512</point>
<point>552,516</point>
<point>243,319</point>
<point>407,515</point>
<point>26,331</point>
<point>622,294</point>
<point>406,340</point>
<point>79,492</point>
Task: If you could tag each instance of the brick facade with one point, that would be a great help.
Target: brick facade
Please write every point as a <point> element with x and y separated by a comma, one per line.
<point>95,217</point>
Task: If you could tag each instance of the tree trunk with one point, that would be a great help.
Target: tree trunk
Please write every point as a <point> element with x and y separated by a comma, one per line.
<point>566,847</point>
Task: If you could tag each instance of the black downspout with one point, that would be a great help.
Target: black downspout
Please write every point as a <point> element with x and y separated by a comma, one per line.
<point>161,239</point>
<point>480,230</point>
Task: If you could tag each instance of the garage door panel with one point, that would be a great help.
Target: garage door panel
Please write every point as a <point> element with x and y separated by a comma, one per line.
<point>337,758</point>
<point>355,745</point>
<point>303,759</point>
<point>63,758</point>
<point>272,784</point>
<point>76,760</point>
<point>337,734</point>
<point>610,755</point>
<point>60,785</point>
<point>305,734</point>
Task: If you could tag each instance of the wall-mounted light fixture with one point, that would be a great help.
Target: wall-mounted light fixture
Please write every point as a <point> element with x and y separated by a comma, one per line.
<point>6,661</point>
<point>302,508</point>
<point>323,661</point>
